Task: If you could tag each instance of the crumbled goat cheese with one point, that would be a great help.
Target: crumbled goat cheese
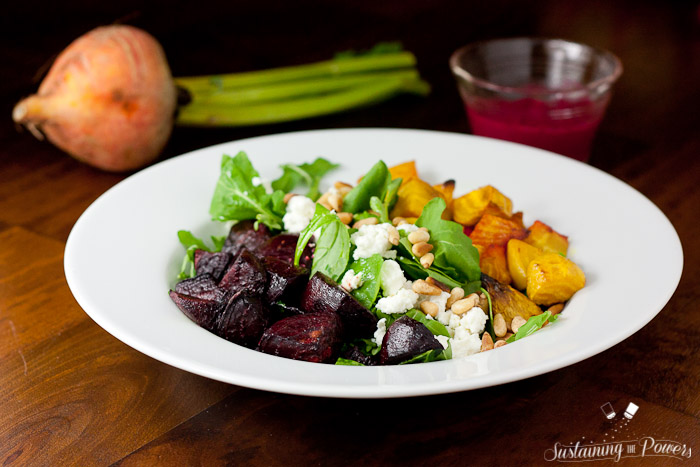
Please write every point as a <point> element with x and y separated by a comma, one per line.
<point>402,301</point>
<point>464,331</point>
<point>257,181</point>
<point>391,277</point>
<point>300,210</point>
<point>465,347</point>
<point>379,333</point>
<point>443,340</point>
<point>351,281</point>
<point>371,240</point>
<point>474,320</point>
<point>408,228</point>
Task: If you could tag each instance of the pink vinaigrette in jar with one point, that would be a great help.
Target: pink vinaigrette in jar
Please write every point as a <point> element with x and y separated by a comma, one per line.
<point>561,125</point>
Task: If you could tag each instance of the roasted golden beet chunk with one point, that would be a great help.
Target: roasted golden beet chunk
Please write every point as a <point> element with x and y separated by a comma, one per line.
<point>283,247</point>
<point>322,294</point>
<point>404,339</point>
<point>246,273</point>
<point>201,311</point>
<point>206,262</point>
<point>312,337</point>
<point>244,235</point>
<point>285,282</point>
<point>243,320</point>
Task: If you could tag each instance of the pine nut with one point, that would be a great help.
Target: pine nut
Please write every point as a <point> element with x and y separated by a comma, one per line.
<point>429,308</point>
<point>423,288</point>
<point>486,342</point>
<point>516,323</point>
<point>499,343</point>
<point>367,221</point>
<point>341,185</point>
<point>427,260</point>
<point>419,249</point>
<point>394,236</point>
<point>396,221</point>
<point>345,217</point>
<point>288,196</point>
<point>499,325</point>
<point>335,201</point>
<point>462,306</point>
<point>455,294</point>
<point>418,236</point>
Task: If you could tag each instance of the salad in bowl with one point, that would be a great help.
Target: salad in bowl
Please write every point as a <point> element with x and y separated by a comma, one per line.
<point>390,270</point>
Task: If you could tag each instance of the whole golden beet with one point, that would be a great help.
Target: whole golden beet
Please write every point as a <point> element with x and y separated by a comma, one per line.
<point>108,100</point>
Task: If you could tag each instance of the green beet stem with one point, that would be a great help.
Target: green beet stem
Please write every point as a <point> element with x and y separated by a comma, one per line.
<point>294,109</point>
<point>295,89</point>
<point>335,67</point>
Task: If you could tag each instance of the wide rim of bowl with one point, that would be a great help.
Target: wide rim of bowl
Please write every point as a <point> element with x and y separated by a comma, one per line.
<point>460,73</point>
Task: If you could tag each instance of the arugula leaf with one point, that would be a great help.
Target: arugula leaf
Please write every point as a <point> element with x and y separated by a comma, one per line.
<point>369,290</point>
<point>374,183</point>
<point>308,174</point>
<point>430,356</point>
<point>192,244</point>
<point>533,324</point>
<point>332,251</point>
<point>434,326</point>
<point>348,362</point>
<point>454,253</point>
<point>236,198</point>
<point>490,321</point>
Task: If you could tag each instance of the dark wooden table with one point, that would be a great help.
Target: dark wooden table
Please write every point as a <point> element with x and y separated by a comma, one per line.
<point>70,393</point>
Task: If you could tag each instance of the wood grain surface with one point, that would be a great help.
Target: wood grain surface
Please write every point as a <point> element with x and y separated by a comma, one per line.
<point>71,394</point>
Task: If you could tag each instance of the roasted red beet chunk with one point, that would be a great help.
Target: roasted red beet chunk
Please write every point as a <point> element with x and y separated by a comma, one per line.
<point>404,339</point>
<point>285,282</point>
<point>245,273</point>
<point>215,264</point>
<point>243,320</point>
<point>244,235</point>
<point>201,311</point>
<point>313,337</point>
<point>203,287</point>
<point>322,294</point>
<point>283,247</point>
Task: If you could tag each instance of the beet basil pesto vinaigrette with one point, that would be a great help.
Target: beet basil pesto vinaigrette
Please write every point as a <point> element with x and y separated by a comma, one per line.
<point>390,271</point>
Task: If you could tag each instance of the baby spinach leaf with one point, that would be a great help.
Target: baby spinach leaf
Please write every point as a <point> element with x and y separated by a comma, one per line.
<point>374,183</point>
<point>307,174</point>
<point>370,268</point>
<point>392,192</point>
<point>434,326</point>
<point>378,206</point>
<point>533,324</point>
<point>332,251</point>
<point>348,362</point>
<point>236,198</point>
<point>454,253</point>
